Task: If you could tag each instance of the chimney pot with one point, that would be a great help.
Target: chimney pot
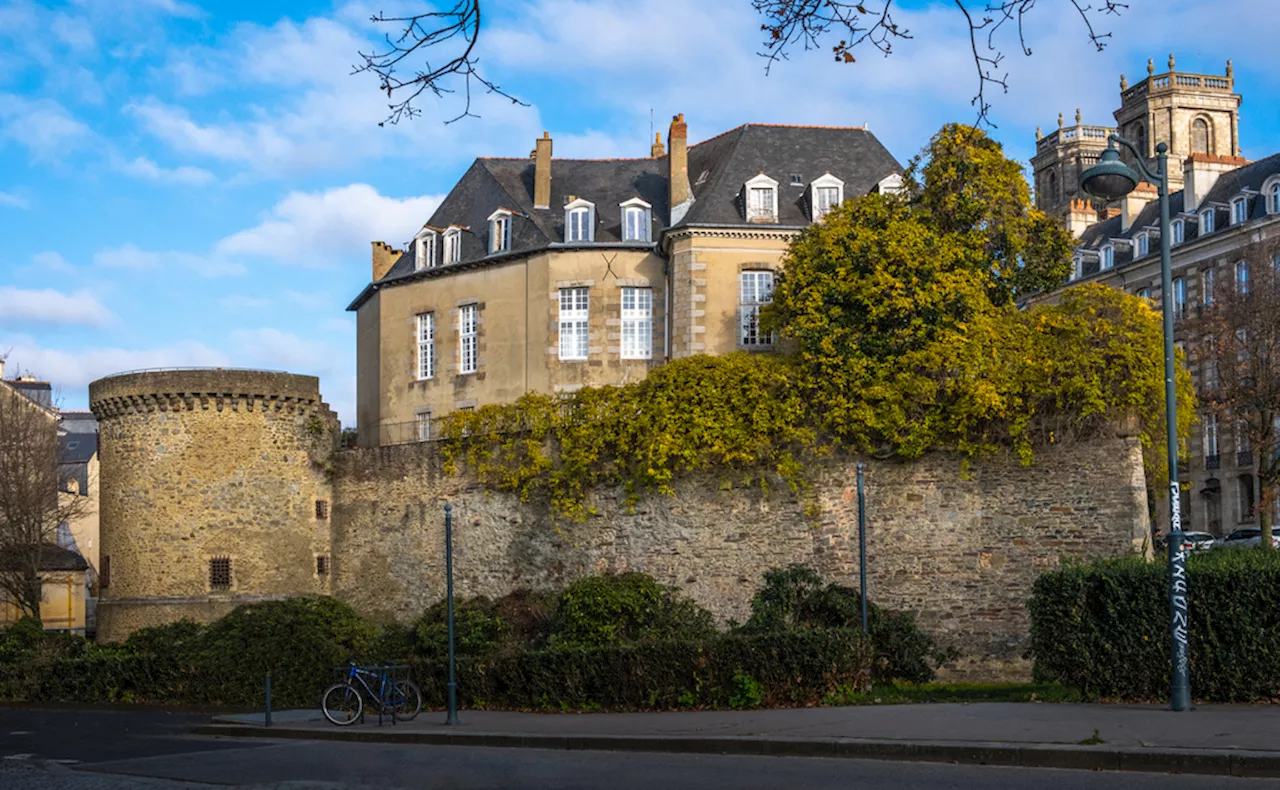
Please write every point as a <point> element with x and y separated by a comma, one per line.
<point>657,150</point>
<point>384,257</point>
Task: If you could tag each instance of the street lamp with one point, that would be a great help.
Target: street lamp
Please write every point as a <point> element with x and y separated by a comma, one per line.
<point>1111,178</point>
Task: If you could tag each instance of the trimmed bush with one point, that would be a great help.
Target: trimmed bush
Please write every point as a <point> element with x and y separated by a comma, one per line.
<point>626,608</point>
<point>796,598</point>
<point>795,668</point>
<point>1104,627</point>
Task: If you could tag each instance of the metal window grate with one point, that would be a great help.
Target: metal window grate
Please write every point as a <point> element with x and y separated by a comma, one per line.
<point>322,565</point>
<point>322,509</point>
<point>220,573</point>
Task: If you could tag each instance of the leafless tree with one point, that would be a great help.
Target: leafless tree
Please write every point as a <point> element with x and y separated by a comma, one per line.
<point>870,23</point>
<point>1239,351</point>
<point>31,507</point>
<point>436,51</point>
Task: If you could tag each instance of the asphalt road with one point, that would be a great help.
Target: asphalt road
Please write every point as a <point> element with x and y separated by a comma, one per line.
<point>137,750</point>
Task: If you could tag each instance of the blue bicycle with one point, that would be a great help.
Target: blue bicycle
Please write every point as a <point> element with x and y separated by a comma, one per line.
<point>343,703</point>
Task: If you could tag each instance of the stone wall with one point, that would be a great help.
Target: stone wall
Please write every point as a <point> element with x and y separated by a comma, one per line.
<point>960,551</point>
<point>198,465</point>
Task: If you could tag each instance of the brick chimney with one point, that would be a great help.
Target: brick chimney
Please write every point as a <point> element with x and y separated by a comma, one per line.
<point>1131,205</point>
<point>384,257</point>
<point>1200,172</point>
<point>657,150</point>
<point>542,172</point>
<point>1080,215</point>
<point>678,169</point>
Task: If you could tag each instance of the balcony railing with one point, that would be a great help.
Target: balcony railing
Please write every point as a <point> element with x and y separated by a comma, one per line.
<point>1173,79</point>
<point>1069,133</point>
<point>1212,461</point>
<point>1244,458</point>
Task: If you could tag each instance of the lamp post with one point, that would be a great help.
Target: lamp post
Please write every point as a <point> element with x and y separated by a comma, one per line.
<point>1111,178</point>
<point>451,718</point>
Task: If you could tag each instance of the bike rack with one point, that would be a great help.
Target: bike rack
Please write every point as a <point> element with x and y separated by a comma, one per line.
<point>389,674</point>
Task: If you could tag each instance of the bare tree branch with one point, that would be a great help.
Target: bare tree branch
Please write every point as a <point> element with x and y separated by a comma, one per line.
<point>455,32</point>
<point>791,23</point>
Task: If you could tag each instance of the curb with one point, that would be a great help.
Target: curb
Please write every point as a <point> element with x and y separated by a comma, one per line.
<point>1087,758</point>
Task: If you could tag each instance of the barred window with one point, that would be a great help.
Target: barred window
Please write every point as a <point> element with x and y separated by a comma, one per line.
<point>637,323</point>
<point>426,345</point>
<point>322,565</point>
<point>322,509</point>
<point>468,338</point>
<point>756,291</point>
<point>220,573</point>
<point>574,323</point>
<point>422,425</point>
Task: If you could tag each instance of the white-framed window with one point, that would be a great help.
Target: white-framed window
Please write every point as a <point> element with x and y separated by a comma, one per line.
<point>1206,221</point>
<point>1242,277</point>
<point>426,345</point>
<point>637,323</point>
<point>1142,244</point>
<point>1077,267</point>
<point>468,338</point>
<point>1210,434</point>
<point>1179,297</point>
<point>761,195</point>
<point>1179,231</point>
<point>756,291</point>
<point>580,221</point>
<point>424,249</point>
<point>1206,287</point>
<point>1239,210</point>
<point>1144,293</point>
<point>575,316</point>
<point>499,231</point>
<point>1272,192</point>
<point>828,192</point>
<point>422,425</point>
<point>637,220</point>
<point>453,245</point>
<point>1108,253</point>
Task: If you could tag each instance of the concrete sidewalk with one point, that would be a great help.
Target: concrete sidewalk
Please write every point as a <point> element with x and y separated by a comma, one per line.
<point>1213,739</point>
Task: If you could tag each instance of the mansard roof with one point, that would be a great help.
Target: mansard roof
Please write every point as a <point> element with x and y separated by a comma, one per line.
<point>718,168</point>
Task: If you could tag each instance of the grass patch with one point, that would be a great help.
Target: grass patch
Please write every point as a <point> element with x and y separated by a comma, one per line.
<point>900,694</point>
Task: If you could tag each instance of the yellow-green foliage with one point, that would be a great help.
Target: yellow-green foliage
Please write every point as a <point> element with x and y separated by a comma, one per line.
<point>900,316</point>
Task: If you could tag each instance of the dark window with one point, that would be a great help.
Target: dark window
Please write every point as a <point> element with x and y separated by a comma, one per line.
<point>322,565</point>
<point>1200,136</point>
<point>322,509</point>
<point>796,180</point>
<point>104,572</point>
<point>220,573</point>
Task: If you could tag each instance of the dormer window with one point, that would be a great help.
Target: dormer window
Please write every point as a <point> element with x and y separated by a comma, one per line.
<point>1077,267</point>
<point>1108,253</point>
<point>579,221</point>
<point>828,192</point>
<point>424,249</point>
<point>453,245</point>
<point>1142,245</point>
<point>500,231</point>
<point>1179,231</point>
<point>1239,210</point>
<point>761,195</point>
<point>1206,221</point>
<point>1272,191</point>
<point>637,220</point>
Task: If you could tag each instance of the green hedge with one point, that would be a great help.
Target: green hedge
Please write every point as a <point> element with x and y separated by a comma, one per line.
<point>1104,628</point>
<point>795,668</point>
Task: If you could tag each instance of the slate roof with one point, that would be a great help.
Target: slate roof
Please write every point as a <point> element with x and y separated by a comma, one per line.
<point>38,392</point>
<point>718,168</point>
<point>52,558</point>
<point>1229,185</point>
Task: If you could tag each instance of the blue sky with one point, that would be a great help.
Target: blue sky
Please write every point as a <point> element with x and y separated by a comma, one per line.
<point>196,183</point>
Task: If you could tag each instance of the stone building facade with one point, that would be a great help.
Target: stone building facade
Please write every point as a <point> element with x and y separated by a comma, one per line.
<point>545,275</point>
<point>215,493</point>
<point>1220,203</point>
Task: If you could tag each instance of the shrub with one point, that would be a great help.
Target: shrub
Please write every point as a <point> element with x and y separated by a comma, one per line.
<point>477,629</point>
<point>625,609</point>
<point>796,598</point>
<point>793,668</point>
<point>1104,627</point>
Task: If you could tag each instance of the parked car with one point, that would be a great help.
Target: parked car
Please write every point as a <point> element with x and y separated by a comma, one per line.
<point>1198,541</point>
<point>1248,538</point>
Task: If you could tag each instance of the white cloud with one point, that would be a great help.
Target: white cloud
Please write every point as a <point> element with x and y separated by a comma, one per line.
<point>74,31</point>
<point>242,143</point>
<point>20,307</point>
<point>50,261</point>
<point>144,168</point>
<point>318,229</point>
<point>44,126</point>
<point>13,201</point>
<point>130,256</point>
<point>275,349</point>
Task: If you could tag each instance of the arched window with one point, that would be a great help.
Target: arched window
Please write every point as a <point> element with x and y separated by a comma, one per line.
<point>579,221</point>
<point>424,249</point>
<point>636,220</point>
<point>500,231</point>
<point>453,245</point>
<point>1140,137</point>
<point>1200,138</point>
<point>1053,185</point>
<point>1272,191</point>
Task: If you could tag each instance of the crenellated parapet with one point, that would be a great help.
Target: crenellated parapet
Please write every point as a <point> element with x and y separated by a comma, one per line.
<point>205,389</point>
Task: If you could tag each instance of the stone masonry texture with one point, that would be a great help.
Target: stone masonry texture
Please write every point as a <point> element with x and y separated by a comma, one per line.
<point>961,551</point>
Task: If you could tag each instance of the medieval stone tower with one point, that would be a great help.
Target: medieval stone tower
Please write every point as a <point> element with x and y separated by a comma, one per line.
<point>1192,113</point>
<point>215,492</point>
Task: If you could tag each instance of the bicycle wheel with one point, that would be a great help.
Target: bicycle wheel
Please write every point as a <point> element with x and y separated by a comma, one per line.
<point>408,700</point>
<point>342,704</point>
